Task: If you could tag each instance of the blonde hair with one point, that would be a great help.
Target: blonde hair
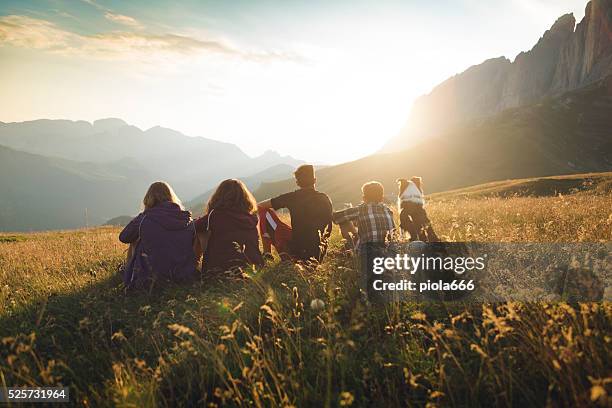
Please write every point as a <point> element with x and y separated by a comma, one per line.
<point>373,192</point>
<point>160,192</point>
<point>232,194</point>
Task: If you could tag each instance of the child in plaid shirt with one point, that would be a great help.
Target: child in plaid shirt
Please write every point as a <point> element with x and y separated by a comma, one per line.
<point>375,226</point>
<point>373,218</point>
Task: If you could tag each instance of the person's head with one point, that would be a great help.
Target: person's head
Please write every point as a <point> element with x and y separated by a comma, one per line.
<point>160,192</point>
<point>305,176</point>
<point>373,192</point>
<point>233,195</point>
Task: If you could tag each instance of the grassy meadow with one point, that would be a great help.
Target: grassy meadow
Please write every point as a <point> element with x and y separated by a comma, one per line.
<point>255,341</point>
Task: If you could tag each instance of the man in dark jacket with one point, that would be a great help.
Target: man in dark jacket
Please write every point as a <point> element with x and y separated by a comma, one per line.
<point>311,216</point>
<point>163,238</point>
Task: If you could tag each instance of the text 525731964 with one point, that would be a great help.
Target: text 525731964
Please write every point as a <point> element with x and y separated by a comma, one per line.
<point>31,394</point>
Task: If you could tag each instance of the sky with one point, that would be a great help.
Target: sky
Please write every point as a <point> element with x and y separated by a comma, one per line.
<point>323,81</point>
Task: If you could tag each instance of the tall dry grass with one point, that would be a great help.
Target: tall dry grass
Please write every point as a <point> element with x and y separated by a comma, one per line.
<point>254,341</point>
<point>571,218</point>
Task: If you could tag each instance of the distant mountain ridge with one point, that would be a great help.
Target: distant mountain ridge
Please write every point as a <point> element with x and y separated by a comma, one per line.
<point>191,164</point>
<point>253,182</point>
<point>57,174</point>
<point>566,57</point>
<point>39,193</point>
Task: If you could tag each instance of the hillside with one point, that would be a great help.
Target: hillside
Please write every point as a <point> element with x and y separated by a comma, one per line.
<point>39,192</point>
<point>567,57</point>
<point>568,134</point>
<point>120,221</point>
<point>590,183</point>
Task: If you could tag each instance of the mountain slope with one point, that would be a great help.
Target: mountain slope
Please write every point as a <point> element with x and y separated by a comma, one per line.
<point>589,183</point>
<point>568,134</point>
<point>564,59</point>
<point>48,193</point>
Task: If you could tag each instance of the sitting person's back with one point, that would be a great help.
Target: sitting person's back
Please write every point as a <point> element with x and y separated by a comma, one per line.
<point>311,216</point>
<point>373,218</point>
<point>375,226</point>
<point>161,239</point>
<point>231,221</point>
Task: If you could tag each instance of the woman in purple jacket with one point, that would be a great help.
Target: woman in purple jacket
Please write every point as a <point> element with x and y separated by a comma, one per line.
<point>230,221</point>
<point>161,239</point>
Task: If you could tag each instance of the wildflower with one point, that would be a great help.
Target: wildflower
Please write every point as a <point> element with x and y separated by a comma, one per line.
<point>410,378</point>
<point>346,399</point>
<point>119,336</point>
<point>478,349</point>
<point>317,304</point>
<point>84,322</point>
<point>419,316</point>
<point>179,329</point>
<point>145,309</point>
<point>436,394</point>
<point>237,307</point>
<point>271,313</point>
<point>597,392</point>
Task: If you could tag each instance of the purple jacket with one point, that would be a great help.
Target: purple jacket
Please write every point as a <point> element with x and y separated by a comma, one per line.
<point>164,238</point>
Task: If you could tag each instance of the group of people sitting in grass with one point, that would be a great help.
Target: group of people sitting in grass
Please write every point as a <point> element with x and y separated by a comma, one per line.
<point>166,244</point>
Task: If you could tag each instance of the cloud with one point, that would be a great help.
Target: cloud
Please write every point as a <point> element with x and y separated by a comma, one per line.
<point>122,19</point>
<point>34,33</point>
<point>94,4</point>
<point>28,32</point>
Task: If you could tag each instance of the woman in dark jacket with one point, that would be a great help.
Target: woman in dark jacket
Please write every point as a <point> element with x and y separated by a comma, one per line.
<point>161,240</point>
<point>230,221</point>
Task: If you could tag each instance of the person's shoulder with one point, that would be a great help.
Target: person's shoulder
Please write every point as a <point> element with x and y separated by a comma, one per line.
<point>200,220</point>
<point>380,207</point>
<point>140,217</point>
<point>289,194</point>
<point>218,212</point>
<point>322,195</point>
<point>387,209</point>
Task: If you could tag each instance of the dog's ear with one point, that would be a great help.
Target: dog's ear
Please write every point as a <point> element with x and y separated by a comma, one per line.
<point>418,181</point>
<point>402,183</point>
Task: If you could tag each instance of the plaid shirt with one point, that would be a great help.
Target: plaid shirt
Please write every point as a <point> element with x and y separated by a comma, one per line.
<point>374,221</point>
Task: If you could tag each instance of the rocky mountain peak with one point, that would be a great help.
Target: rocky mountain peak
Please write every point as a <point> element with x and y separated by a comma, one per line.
<point>564,25</point>
<point>567,57</point>
<point>587,55</point>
